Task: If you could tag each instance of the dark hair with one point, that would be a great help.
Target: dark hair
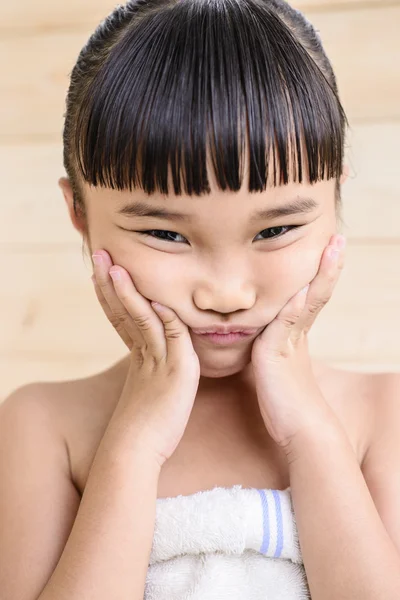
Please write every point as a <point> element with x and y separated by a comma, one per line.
<point>160,82</point>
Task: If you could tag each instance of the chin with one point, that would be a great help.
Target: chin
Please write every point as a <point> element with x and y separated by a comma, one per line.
<point>224,365</point>
<point>219,374</point>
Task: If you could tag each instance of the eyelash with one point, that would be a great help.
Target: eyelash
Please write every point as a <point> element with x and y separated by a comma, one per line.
<point>149,233</point>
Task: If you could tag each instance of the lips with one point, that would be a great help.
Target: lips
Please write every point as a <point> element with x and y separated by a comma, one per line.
<point>221,330</point>
<point>224,339</point>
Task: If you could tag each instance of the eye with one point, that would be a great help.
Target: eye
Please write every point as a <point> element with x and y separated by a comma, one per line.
<point>165,234</point>
<point>275,229</point>
<point>161,231</point>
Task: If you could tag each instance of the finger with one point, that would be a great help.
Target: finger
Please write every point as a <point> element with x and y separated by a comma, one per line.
<point>278,332</point>
<point>179,342</point>
<point>163,333</point>
<point>137,314</point>
<point>126,338</point>
<point>321,288</point>
<point>167,337</point>
<point>111,304</point>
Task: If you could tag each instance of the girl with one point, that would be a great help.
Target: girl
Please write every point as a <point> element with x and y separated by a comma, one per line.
<point>204,465</point>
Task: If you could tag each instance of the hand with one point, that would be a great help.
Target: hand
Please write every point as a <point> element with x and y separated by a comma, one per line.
<point>288,394</point>
<point>164,371</point>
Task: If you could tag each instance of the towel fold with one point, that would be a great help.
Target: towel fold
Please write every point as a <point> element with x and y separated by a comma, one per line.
<point>235,543</point>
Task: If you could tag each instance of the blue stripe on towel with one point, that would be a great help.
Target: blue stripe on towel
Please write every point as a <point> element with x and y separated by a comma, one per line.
<point>279,524</point>
<point>266,532</point>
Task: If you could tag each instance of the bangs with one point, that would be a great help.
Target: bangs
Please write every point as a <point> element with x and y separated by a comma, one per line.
<point>198,80</point>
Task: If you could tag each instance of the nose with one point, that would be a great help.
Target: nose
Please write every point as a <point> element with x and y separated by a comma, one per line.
<point>224,294</point>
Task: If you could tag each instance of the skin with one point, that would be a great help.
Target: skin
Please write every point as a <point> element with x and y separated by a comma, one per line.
<point>232,274</point>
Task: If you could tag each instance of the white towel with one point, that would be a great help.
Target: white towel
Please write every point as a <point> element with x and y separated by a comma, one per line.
<point>226,543</point>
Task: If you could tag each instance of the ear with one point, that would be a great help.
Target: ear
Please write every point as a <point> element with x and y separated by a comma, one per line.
<point>345,173</point>
<point>78,219</point>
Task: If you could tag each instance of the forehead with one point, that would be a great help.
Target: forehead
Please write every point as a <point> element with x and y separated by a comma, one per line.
<point>243,205</point>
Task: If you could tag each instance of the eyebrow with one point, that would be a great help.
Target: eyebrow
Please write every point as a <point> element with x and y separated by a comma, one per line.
<point>300,205</point>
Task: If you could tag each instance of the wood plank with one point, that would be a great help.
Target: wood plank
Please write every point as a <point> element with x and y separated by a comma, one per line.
<point>355,42</point>
<point>18,371</point>
<point>371,194</point>
<point>367,367</point>
<point>34,211</point>
<point>44,291</point>
<point>50,315</point>
<point>321,5</point>
<point>21,370</point>
<point>50,297</point>
<point>363,45</point>
<point>46,15</point>
<point>44,79</point>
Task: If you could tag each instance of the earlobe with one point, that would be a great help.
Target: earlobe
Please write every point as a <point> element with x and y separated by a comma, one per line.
<point>66,188</point>
<point>78,220</point>
<point>345,174</point>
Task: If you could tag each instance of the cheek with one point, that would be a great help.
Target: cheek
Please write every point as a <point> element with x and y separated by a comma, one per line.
<point>292,271</point>
<point>153,278</point>
<point>164,280</point>
<point>147,271</point>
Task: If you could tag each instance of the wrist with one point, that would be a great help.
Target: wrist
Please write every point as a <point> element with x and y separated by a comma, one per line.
<point>122,442</point>
<point>320,434</point>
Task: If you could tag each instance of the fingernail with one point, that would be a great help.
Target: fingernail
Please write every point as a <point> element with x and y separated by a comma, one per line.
<point>158,307</point>
<point>340,242</point>
<point>305,289</point>
<point>115,275</point>
<point>333,252</point>
<point>97,259</point>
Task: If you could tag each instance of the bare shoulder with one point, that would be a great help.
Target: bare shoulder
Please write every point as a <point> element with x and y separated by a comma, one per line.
<point>386,408</point>
<point>380,467</point>
<point>356,396</point>
<point>64,402</point>
<point>39,500</point>
<point>76,411</point>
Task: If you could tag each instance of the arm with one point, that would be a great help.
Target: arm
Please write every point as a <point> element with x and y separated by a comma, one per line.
<point>51,547</point>
<point>347,552</point>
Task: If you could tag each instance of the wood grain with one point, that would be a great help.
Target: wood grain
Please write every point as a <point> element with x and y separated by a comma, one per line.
<point>45,15</point>
<point>52,327</point>
<point>34,211</point>
<point>363,45</point>
<point>54,316</point>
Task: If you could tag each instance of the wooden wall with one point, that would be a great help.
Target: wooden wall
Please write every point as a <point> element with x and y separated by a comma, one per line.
<point>51,326</point>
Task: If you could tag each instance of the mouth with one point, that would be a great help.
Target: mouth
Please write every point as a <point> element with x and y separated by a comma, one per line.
<point>224,329</point>
<point>224,339</point>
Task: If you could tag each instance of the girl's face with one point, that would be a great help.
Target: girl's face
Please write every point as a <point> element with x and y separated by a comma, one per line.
<point>222,264</point>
